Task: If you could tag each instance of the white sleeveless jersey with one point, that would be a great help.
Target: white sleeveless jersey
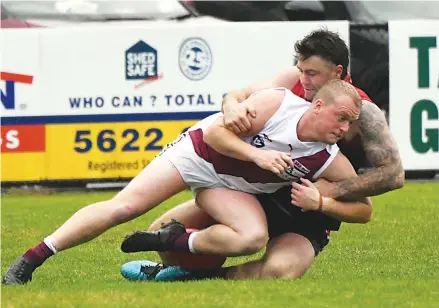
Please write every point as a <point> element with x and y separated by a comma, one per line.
<point>279,133</point>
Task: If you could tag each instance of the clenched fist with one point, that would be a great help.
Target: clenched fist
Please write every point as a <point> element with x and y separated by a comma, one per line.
<point>236,117</point>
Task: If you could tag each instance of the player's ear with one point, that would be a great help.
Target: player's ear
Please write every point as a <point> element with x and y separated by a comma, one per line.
<point>318,105</point>
<point>339,70</point>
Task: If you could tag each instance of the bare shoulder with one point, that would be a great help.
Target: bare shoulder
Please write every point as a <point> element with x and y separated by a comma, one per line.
<point>265,103</point>
<point>266,99</point>
<point>371,121</point>
<point>378,143</point>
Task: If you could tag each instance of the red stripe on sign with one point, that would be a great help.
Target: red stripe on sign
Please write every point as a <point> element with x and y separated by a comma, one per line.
<point>149,80</point>
<point>23,138</point>
<point>16,77</point>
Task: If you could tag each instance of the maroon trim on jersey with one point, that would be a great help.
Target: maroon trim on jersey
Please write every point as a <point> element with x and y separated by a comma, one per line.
<point>249,171</point>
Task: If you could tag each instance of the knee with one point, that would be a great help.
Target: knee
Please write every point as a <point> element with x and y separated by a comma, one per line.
<point>284,269</point>
<point>254,241</point>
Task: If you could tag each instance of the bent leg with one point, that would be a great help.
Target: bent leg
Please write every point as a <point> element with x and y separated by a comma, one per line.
<point>242,226</point>
<point>287,257</point>
<point>190,215</point>
<point>156,183</point>
<point>153,185</point>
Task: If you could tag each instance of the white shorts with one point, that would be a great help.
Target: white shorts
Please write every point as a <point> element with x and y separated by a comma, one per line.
<point>194,170</point>
<point>200,174</point>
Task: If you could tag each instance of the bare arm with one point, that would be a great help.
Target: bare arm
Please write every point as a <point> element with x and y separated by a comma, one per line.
<point>285,79</point>
<point>383,154</point>
<point>358,211</point>
<point>235,115</point>
<point>230,144</point>
<point>306,195</point>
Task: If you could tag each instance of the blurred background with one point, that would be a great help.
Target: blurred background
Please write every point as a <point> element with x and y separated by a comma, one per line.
<point>368,31</point>
<point>368,35</point>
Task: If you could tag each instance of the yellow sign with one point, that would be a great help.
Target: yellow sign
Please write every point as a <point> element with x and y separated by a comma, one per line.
<point>93,151</point>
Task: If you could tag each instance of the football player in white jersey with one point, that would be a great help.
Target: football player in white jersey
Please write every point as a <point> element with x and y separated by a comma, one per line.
<point>240,226</point>
<point>297,237</point>
<point>242,231</point>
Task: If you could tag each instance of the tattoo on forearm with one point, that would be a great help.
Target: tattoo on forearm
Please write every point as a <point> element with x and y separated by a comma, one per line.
<point>382,152</point>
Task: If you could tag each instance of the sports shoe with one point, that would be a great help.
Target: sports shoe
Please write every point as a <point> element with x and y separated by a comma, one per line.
<point>161,240</point>
<point>140,270</point>
<point>20,272</point>
<point>175,273</point>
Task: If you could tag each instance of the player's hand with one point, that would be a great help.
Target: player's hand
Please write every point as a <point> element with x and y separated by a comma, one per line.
<point>305,195</point>
<point>236,117</point>
<point>274,161</point>
<point>326,188</point>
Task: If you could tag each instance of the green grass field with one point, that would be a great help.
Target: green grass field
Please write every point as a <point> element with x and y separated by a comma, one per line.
<point>391,262</point>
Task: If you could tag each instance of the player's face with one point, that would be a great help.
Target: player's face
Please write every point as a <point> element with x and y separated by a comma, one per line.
<point>336,119</point>
<point>316,72</point>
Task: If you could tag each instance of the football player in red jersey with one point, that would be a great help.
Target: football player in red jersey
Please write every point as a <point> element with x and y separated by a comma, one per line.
<point>296,237</point>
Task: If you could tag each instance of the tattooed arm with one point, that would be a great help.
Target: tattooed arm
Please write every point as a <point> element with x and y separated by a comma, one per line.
<point>382,152</point>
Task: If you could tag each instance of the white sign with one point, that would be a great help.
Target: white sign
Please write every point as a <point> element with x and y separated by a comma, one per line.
<point>414,91</point>
<point>19,65</point>
<point>145,68</point>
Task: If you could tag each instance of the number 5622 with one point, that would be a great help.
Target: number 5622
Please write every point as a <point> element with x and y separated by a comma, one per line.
<point>107,140</point>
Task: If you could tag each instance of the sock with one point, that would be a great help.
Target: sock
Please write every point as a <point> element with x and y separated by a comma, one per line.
<point>184,242</point>
<point>191,241</point>
<point>40,253</point>
<point>49,242</point>
<point>181,243</point>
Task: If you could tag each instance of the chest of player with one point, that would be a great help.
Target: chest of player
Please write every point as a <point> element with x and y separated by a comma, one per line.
<point>308,157</point>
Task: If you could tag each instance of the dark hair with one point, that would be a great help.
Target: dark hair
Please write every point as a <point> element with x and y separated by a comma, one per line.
<point>325,44</point>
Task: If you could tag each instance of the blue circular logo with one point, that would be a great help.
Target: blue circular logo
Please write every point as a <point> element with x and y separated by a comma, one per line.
<point>195,58</point>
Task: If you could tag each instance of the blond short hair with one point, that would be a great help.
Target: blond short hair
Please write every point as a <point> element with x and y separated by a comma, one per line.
<point>337,87</point>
